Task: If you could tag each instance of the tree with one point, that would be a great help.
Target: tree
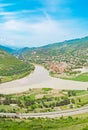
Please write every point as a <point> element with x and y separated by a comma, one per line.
<point>0,80</point>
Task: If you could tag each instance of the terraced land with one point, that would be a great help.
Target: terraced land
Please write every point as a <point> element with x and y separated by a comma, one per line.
<point>12,68</point>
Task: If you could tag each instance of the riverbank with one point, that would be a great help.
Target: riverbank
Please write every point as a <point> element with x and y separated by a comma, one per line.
<point>21,73</point>
<point>80,74</point>
<point>40,79</point>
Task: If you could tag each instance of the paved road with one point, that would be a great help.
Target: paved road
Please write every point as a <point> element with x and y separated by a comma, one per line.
<point>48,114</point>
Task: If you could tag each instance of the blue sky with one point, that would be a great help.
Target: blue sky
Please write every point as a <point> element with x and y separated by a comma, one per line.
<point>40,22</point>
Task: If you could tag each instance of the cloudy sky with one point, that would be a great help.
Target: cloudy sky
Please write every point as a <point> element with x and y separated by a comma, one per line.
<point>40,22</point>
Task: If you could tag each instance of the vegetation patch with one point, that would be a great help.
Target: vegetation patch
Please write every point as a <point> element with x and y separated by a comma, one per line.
<point>81,77</point>
<point>43,100</point>
<point>12,68</point>
<point>76,123</point>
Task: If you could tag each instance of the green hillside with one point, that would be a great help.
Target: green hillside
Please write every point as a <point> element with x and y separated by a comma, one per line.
<point>12,68</point>
<point>63,51</point>
<point>72,53</point>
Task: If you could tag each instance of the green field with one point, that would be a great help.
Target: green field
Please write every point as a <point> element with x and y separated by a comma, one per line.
<point>43,100</point>
<point>81,77</point>
<point>79,122</point>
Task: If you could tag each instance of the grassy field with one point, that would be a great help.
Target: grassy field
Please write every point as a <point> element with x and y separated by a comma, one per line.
<point>81,77</point>
<point>43,100</point>
<point>79,122</point>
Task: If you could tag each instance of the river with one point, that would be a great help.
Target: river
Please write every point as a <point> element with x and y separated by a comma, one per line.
<point>40,79</point>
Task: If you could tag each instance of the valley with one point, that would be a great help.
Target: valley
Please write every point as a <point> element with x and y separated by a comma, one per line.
<point>41,84</point>
<point>43,64</point>
<point>62,59</point>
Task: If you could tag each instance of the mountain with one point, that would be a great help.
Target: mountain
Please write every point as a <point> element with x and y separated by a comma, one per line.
<point>13,50</point>
<point>7,49</point>
<point>12,68</point>
<point>75,51</point>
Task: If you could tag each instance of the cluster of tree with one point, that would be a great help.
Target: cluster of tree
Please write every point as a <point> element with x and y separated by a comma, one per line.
<point>71,93</point>
<point>28,101</point>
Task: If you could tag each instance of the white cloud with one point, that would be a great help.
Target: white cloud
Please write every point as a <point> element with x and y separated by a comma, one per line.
<point>11,25</point>
<point>55,5</point>
<point>3,13</point>
<point>39,30</point>
<point>24,33</point>
<point>4,5</point>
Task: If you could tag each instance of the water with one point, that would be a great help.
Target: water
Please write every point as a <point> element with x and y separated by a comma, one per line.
<point>40,79</point>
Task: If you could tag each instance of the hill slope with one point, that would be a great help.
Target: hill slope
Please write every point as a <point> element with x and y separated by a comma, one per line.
<point>72,50</point>
<point>61,57</point>
<point>12,68</point>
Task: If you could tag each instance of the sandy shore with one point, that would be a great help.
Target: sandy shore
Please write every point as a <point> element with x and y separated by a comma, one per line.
<point>40,79</point>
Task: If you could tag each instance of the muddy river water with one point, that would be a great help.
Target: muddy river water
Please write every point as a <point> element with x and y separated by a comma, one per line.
<point>40,79</point>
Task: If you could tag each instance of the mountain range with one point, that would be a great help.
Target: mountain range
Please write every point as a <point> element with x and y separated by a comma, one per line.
<point>73,50</point>
<point>76,48</point>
